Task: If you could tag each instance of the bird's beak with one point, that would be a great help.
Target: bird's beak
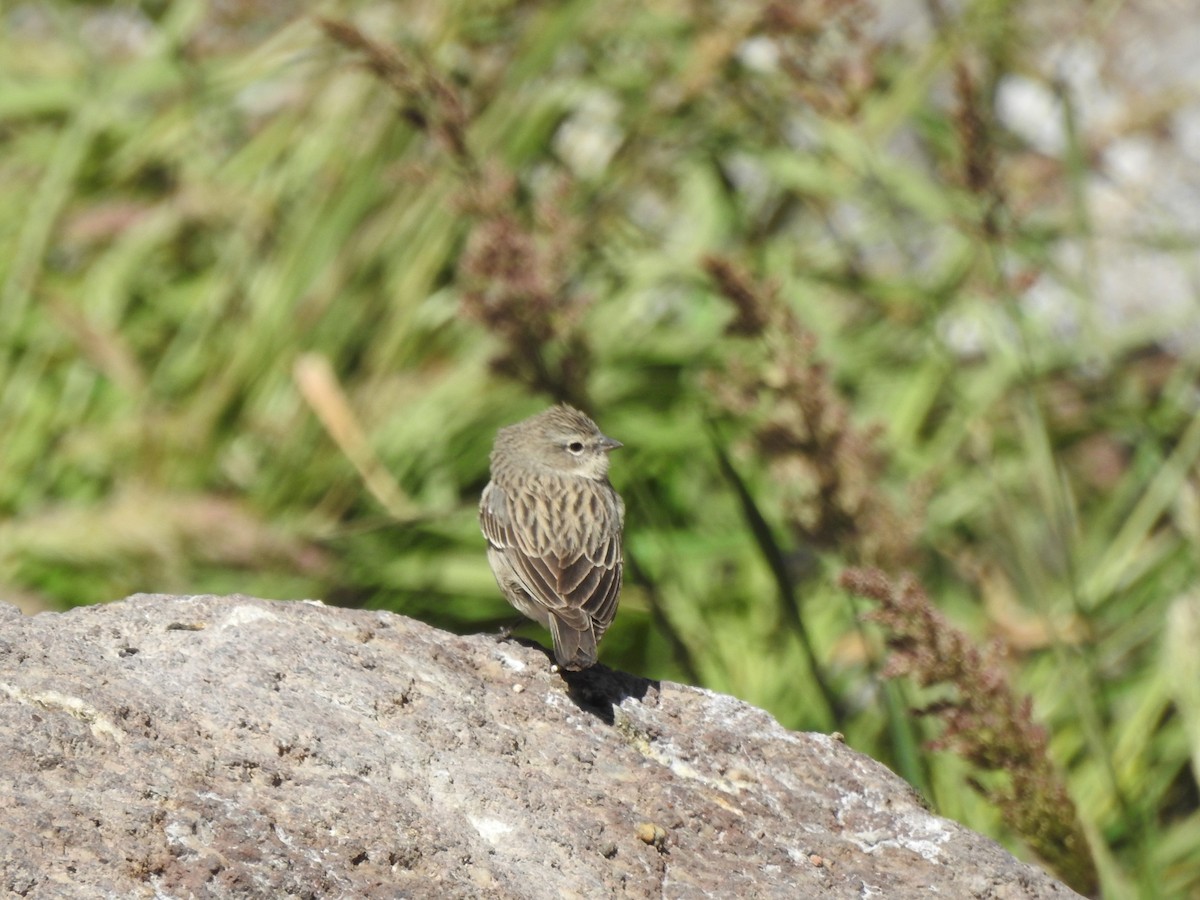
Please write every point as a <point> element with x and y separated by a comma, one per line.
<point>607,443</point>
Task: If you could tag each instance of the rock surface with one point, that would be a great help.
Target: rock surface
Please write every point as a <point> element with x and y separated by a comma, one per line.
<point>235,747</point>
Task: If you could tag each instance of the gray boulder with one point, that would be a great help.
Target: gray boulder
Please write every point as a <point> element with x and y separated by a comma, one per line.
<point>235,747</point>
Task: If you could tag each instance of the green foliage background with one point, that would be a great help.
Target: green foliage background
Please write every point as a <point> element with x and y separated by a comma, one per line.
<point>257,332</point>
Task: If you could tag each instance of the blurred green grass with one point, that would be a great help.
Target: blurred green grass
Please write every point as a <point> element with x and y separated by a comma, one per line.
<point>196,205</point>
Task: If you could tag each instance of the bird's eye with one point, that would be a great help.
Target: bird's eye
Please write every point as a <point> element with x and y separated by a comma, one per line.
<point>575,447</point>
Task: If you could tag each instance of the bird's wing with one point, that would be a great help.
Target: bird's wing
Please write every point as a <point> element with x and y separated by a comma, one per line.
<point>574,571</point>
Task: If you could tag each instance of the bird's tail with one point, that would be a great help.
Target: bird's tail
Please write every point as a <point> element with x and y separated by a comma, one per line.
<point>574,648</point>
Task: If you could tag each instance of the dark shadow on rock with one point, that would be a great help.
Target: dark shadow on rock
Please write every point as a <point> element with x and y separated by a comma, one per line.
<point>599,689</point>
<point>595,690</point>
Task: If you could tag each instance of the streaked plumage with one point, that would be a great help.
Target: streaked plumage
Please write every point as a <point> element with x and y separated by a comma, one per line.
<point>553,526</point>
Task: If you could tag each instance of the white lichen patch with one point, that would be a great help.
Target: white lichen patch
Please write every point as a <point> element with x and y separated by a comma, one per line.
<point>922,834</point>
<point>75,707</point>
<point>247,615</point>
<point>666,754</point>
<point>511,662</point>
<point>491,830</point>
<point>926,834</point>
<point>738,717</point>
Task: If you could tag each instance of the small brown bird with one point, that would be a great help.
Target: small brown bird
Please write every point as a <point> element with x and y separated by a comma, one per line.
<point>553,526</point>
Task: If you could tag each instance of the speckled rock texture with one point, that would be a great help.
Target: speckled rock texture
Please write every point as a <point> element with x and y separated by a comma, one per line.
<point>234,747</point>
